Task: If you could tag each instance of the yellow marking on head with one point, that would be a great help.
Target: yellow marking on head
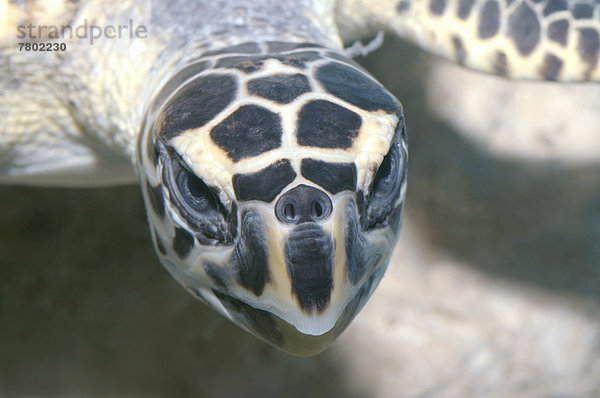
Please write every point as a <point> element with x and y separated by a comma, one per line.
<point>372,144</point>
<point>340,259</point>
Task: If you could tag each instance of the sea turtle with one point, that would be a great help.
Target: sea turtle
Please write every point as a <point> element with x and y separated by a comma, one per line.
<point>273,167</point>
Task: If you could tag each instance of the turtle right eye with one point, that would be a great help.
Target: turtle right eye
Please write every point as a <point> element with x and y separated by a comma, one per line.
<point>197,200</point>
<point>194,192</point>
<point>197,203</point>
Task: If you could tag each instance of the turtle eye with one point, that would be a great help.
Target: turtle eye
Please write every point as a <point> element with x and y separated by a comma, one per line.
<point>386,188</point>
<point>386,181</point>
<point>194,192</point>
<point>197,203</point>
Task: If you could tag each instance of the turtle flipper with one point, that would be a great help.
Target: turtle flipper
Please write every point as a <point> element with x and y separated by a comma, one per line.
<point>45,139</point>
<point>529,39</point>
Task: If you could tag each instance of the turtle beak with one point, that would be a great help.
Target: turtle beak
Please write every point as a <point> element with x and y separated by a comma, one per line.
<point>321,270</point>
<point>274,330</point>
<point>308,247</point>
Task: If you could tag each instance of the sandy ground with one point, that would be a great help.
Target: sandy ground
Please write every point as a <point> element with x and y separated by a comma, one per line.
<point>493,290</point>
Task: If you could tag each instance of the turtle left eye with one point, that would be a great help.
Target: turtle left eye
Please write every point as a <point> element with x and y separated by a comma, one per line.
<point>386,187</point>
<point>386,180</point>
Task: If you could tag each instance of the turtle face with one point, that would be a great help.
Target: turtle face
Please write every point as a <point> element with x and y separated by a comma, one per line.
<point>274,186</point>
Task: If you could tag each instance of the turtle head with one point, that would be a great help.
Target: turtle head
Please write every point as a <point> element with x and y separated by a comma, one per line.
<point>274,185</point>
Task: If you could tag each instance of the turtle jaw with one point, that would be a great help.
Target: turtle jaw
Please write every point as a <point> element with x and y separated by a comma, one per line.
<point>281,333</point>
<point>274,330</point>
<point>318,278</point>
<point>297,287</point>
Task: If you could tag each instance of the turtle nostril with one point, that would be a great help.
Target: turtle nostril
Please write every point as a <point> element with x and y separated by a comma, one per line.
<point>317,209</point>
<point>303,203</point>
<point>289,212</point>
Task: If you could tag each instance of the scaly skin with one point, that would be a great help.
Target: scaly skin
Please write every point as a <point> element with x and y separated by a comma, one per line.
<point>540,40</point>
<point>111,83</point>
<point>87,103</point>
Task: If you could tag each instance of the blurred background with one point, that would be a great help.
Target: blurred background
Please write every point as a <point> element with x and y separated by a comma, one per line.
<point>493,289</point>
